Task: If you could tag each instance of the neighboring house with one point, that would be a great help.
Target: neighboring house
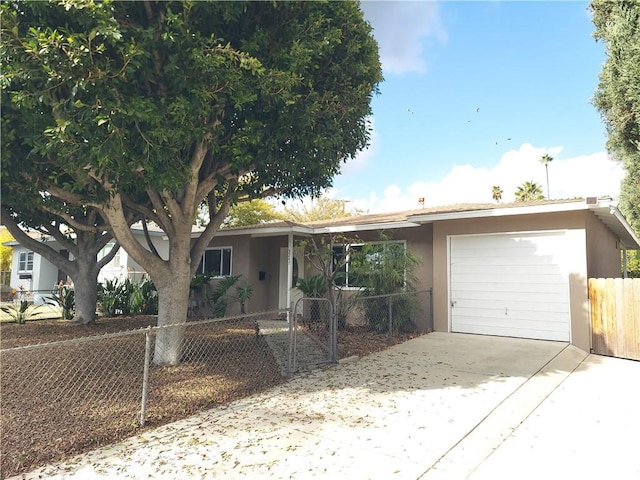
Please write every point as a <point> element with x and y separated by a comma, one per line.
<point>516,269</point>
<point>32,273</point>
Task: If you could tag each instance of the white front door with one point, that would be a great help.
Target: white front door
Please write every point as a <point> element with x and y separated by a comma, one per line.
<point>289,284</point>
<point>511,285</point>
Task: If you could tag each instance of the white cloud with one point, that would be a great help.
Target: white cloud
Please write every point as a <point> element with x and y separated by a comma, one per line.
<point>400,28</point>
<point>589,175</point>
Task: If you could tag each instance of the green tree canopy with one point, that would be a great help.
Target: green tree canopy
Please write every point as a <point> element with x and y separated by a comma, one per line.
<point>320,208</point>
<point>496,193</point>
<point>254,212</point>
<point>528,192</point>
<point>618,95</point>
<point>155,107</point>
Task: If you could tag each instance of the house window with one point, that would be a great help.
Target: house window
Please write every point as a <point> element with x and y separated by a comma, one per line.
<point>25,262</point>
<point>216,262</point>
<point>349,259</point>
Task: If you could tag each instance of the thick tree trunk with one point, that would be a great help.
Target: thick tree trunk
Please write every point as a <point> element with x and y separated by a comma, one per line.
<point>173,303</point>
<point>85,284</point>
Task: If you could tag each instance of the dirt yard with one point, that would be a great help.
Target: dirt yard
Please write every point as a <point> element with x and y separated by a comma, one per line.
<point>43,423</point>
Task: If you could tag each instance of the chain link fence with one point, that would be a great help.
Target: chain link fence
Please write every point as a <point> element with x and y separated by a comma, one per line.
<point>69,396</point>
<point>390,314</point>
<point>62,397</point>
<point>39,304</point>
<point>319,337</point>
<point>312,340</point>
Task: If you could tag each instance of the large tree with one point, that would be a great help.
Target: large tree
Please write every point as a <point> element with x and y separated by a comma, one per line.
<point>156,107</point>
<point>546,159</point>
<point>78,250</point>
<point>618,94</point>
<point>80,232</point>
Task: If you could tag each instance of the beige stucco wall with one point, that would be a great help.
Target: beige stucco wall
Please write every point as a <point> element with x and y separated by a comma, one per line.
<point>603,255</point>
<point>575,221</point>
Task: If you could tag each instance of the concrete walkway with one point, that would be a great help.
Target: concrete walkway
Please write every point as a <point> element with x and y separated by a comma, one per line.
<point>438,406</point>
<point>309,356</point>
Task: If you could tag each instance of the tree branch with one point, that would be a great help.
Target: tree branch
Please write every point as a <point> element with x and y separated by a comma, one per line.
<point>61,238</point>
<point>192,187</point>
<point>70,220</point>
<point>37,246</point>
<point>215,221</point>
<point>160,213</point>
<point>72,198</point>
<point>118,220</point>
<point>109,256</point>
<point>147,237</point>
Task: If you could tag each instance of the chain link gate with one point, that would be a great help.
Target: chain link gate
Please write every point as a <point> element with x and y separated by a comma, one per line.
<point>312,335</point>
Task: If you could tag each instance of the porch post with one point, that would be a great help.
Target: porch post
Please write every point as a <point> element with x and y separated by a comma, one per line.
<point>289,266</point>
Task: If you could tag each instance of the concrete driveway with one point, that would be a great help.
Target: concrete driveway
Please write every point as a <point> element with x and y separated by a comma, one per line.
<point>439,406</point>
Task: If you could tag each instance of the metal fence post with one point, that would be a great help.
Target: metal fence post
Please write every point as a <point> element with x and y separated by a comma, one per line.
<point>431,309</point>
<point>334,333</point>
<point>291,319</point>
<point>390,318</point>
<point>145,374</point>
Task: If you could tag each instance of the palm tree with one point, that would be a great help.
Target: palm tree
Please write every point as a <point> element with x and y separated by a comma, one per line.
<point>546,160</point>
<point>528,192</point>
<point>496,193</point>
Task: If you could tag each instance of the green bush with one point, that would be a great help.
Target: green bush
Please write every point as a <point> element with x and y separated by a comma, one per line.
<point>128,298</point>
<point>144,298</point>
<point>63,297</point>
<point>381,269</point>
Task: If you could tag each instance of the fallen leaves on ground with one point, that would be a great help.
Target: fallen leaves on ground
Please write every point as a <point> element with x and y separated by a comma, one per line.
<point>93,396</point>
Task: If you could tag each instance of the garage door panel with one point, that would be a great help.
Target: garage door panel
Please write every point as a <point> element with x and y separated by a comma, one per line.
<point>507,297</point>
<point>501,322</point>
<point>510,284</point>
<point>510,278</point>
<point>511,306</point>
<point>512,331</point>
<point>537,288</point>
<point>495,252</point>
<point>500,260</point>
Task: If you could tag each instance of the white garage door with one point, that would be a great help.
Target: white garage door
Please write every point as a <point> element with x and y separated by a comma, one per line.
<point>511,285</point>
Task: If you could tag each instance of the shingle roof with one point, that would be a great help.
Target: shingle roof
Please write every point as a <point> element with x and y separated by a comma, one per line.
<point>389,217</point>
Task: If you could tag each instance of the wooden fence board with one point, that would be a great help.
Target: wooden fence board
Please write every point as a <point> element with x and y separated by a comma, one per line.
<point>615,316</point>
<point>596,287</point>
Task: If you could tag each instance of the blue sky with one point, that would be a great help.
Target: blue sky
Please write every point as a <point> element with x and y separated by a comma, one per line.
<point>474,94</point>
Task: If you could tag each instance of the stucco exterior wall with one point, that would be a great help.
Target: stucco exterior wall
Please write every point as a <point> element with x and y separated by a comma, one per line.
<point>240,264</point>
<point>603,255</point>
<point>573,221</point>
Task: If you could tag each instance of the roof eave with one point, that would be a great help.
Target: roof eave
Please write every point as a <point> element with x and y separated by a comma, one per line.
<point>500,212</point>
<point>615,221</point>
<point>366,227</point>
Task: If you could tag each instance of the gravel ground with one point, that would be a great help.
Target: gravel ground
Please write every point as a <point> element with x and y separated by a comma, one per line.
<point>41,424</point>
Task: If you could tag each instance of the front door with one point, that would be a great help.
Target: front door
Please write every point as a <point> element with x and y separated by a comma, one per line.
<point>289,284</point>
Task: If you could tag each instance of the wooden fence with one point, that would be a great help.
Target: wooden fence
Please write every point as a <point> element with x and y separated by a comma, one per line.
<point>615,316</point>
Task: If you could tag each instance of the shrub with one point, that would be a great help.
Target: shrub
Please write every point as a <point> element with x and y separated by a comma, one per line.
<point>63,297</point>
<point>144,298</point>
<point>22,313</point>
<point>382,269</point>
<point>128,298</point>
